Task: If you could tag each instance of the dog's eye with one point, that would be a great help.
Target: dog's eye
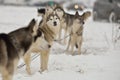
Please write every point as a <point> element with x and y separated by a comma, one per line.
<point>50,19</point>
<point>56,18</point>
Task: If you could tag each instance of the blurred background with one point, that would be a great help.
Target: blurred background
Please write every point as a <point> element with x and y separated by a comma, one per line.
<point>108,10</point>
<point>101,39</point>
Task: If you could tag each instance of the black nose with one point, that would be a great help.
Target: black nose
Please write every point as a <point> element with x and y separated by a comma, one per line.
<point>49,46</point>
<point>55,23</point>
<point>83,22</point>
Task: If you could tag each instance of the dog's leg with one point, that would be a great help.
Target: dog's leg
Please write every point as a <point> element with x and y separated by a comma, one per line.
<point>65,36</point>
<point>44,60</point>
<point>60,34</point>
<point>73,42</point>
<point>15,64</point>
<point>79,45</point>
<point>8,71</point>
<point>68,44</point>
<point>5,74</point>
<point>72,48</point>
<point>27,60</point>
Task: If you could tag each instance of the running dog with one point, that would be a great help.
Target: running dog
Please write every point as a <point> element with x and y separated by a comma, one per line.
<point>50,26</point>
<point>14,45</point>
<point>76,34</point>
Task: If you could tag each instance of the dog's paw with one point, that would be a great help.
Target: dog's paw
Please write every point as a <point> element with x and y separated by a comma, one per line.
<point>28,71</point>
<point>42,71</point>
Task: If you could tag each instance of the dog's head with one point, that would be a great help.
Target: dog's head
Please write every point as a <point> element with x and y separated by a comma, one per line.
<point>59,11</point>
<point>53,20</point>
<point>82,18</point>
<point>86,15</point>
<point>79,21</point>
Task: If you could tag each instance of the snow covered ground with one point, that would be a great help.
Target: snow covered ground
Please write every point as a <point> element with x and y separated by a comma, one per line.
<point>98,61</point>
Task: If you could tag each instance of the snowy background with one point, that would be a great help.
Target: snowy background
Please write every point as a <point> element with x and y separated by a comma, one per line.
<point>100,60</point>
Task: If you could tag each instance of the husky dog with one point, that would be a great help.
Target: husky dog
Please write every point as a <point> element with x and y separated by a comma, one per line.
<point>49,26</point>
<point>14,45</point>
<point>66,21</point>
<point>76,37</point>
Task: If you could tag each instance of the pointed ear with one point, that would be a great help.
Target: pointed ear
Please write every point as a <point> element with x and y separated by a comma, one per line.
<point>41,11</point>
<point>76,14</point>
<point>33,27</point>
<point>54,6</point>
<point>59,6</point>
<point>31,24</point>
<point>86,15</point>
<point>48,10</point>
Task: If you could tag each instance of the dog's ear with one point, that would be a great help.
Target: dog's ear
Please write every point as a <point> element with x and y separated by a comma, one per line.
<point>33,27</point>
<point>41,11</point>
<point>48,9</point>
<point>76,14</point>
<point>54,6</point>
<point>86,15</point>
<point>31,24</point>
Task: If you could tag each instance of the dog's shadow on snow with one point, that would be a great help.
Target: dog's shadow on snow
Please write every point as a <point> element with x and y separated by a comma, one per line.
<point>84,51</point>
<point>58,51</point>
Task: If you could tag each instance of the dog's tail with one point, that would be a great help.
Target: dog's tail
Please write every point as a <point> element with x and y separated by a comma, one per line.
<point>76,45</point>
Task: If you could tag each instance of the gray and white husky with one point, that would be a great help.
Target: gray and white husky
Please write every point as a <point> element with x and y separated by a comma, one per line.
<point>73,24</point>
<point>50,26</point>
<point>67,21</point>
<point>76,33</point>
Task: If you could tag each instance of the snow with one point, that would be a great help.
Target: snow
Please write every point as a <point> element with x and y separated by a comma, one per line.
<point>98,61</point>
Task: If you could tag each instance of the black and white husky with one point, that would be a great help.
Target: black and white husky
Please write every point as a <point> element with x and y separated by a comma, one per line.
<point>14,45</point>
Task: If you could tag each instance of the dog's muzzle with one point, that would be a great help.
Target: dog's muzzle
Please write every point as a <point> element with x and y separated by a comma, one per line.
<point>82,22</point>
